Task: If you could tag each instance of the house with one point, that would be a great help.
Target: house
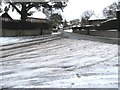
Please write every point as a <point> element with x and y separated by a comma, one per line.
<point>94,20</point>
<point>32,27</point>
<point>5,17</point>
<point>110,24</point>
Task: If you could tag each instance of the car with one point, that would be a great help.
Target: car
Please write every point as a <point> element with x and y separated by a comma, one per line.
<point>55,29</point>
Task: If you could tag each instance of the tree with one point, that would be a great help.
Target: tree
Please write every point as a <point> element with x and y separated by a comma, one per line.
<point>84,21</point>
<point>26,6</point>
<point>0,6</point>
<point>85,16</point>
<point>56,19</point>
<point>110,11</point>
<point>118,6</point>
<point>75,22</point>
<point>65,24</point>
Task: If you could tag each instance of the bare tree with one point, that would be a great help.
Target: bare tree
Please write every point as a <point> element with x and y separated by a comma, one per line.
<point>85,16</point>
<point>110,11</point>
<point>56,19</point>
<point>75,22</point>
<point>0,6</point>
<point>65,24</point>
<point>118,6</point>
<point>26,6</point>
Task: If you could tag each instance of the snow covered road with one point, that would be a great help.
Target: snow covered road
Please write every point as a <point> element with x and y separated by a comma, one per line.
<point>72,61</point>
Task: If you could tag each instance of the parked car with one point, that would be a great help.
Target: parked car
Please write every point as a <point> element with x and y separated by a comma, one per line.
<point>55,29</point>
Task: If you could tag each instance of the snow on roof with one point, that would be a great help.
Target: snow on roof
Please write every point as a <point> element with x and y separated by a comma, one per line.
<point>109,20</point>
<point>94,17</point>
<point>16,16</point>
<point>13,15</point>
<point>6,15</point>
<point>38,14</point>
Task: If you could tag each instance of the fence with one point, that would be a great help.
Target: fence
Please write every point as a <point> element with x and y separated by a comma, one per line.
<point>19,28</point>
<point>17,24</point>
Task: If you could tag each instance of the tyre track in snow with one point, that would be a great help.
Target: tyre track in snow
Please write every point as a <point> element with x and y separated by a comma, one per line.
<point>28,43</point>
<point>30,50</point>
<point>23,45</point>
<point>30,39</point>
<point>24,50</point>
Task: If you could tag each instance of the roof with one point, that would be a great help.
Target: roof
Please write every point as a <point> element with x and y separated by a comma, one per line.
<point>112,19</point>
<point>6,15</point>
<point>16,16</point>
<point>38,15</point>
<point>94,17</point>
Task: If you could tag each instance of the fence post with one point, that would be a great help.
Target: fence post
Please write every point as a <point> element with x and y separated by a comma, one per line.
<point>118,24</point>
<point>41,31</point>
<point>118,20</point>
<point>88,31</point>
<point>1,33</point>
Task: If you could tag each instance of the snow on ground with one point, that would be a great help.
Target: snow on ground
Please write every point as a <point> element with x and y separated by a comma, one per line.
<point>13,40</point>
<point>6,40</point>
<point>69,30</point>
<point>76,62</point>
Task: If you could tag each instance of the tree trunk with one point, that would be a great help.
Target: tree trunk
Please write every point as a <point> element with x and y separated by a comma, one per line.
<point>23,12</point>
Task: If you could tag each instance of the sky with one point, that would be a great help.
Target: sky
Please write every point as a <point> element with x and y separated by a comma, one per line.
<point>75,8</point>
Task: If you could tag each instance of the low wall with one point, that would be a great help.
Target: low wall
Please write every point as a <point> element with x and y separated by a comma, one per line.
<point>6,32</point>
<point>80,31</point>
<point>112,34</point>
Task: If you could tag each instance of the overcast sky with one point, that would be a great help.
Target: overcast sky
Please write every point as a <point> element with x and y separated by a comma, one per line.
<point>76,7</point>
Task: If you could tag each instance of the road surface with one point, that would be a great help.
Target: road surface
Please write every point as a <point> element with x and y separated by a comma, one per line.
<point>64,61</point>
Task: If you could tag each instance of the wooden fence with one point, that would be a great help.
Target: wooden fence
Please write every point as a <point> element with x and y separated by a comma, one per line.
<point>17,24</point>
<point>18,28</point>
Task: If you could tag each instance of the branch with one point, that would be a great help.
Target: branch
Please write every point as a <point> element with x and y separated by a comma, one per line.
<point>29,7</point>
<point>15,8</point>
